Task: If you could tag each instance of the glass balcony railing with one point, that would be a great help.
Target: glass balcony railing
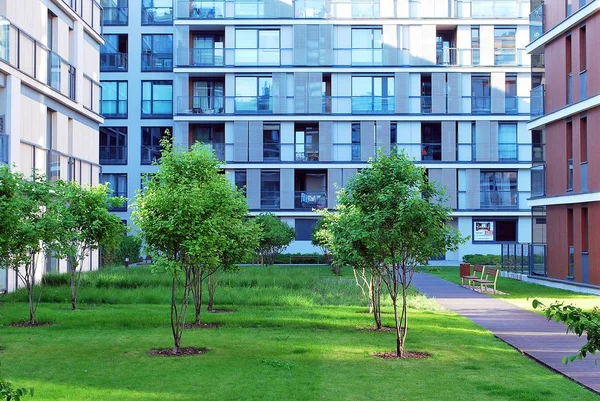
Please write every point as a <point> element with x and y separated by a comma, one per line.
<point>157,15</point>
<point>200,105</point>
<point>480,104</point>
<point>496,8</point>
<point>373,104</point>
<point>200,57</point>
<point>115,16</point>
<point>113,154</point>
<point>509,56</point>
<point>199,9</point>
<point>488,200</point>
<point>113,62</point>
<point>536,23</point>
<point>569,88</point>
<point>113,108</point>
<point>537,101</point>
<point>91,94</point>
<point>583,85</point>
<point>150,154</point>
<point>302,154</point>
<point>310,200</point>
<point>431,151</point>
<point>157,61</point>
<point>538,180</point>
<point>269,199</point>
<point>271,151</point>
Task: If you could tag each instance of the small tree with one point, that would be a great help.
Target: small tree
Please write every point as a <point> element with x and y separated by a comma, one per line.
<point>29,210</point>
<point>577,321</point>
<point>275,237</point>
<point>85,225</point>
<point>401,217</point>
<point>321,237</point>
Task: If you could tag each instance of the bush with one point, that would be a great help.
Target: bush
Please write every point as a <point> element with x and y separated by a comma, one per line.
<point>128,247</point>
<point>56,279</point>
<point>300,258</point>
<point>479,259</point>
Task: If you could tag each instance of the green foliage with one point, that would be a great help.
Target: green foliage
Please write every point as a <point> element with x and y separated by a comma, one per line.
<point>275,236</point>
<point>577,321</point>
<point>299,258</point>
<point>9,393</point>
<point>479,259</point>
<point>128,246</point>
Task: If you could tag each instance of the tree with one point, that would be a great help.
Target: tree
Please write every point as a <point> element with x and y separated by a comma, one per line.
<point>85,224</point>
<point>401,217</point>
<point>29,210</point>
<point>320,237</point>
<point>579,322</point>
<point>9,393</point>
<point>275,237</point>
<point>182,222</point>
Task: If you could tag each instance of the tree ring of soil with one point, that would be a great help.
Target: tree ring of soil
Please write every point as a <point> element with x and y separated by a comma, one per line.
<point>222,311</point>
<point>383,329</point>
<point>407,355</point>
<point>201,326</point>
<point>27,324</point>
<point>184,351</point>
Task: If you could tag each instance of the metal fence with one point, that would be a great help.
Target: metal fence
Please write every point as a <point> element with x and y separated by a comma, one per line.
<point>527,259</point>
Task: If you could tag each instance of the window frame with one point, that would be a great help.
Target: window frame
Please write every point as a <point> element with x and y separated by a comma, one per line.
<point>123,134</point>
<point>154,83</point>
<point>118,114</point>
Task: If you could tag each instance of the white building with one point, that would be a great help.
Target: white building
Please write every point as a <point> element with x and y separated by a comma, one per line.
<point>49,95</point>
<point>296,96</point>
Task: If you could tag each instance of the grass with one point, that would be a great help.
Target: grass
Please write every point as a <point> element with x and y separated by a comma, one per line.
<point>522,294</point>
<point>294,336</point>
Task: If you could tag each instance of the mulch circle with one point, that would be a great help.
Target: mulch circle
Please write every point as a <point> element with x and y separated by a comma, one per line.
<point>221,311</point>
<point>27,324</point>
<point>407,355</point>
<point>201,326</point>
<point>185,351</point>
<point>384,329</point>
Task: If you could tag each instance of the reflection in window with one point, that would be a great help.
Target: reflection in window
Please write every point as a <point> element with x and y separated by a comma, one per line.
<point>372,94</point>
<point>498,189</point>
<point>507,141</point>
<point>504,46</point>
<point>367,46</point>
<point>269,189</point>
<point>113,145</point>
<point>157,52</point>
<point>257,46</point>
<point>253,94</point>
<point>271,142</point>
<point>151,137</point>
<point>113,99</point>
<point>157,98</point>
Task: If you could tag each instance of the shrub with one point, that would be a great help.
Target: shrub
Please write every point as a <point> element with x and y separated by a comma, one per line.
<point>479,259</point>
<point>56,279</point>
<point>128,247</point>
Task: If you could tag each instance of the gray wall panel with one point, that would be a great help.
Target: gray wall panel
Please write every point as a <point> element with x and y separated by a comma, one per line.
<point>240,141</point>
<point>286,188</point>
<point>255,141</point>
<point>454,98</point>
<point>325,141</point>
<point>482,141</point>
<point>449,180</point>
<point>448,141</point>
<point>253,188</point>
<point>402,91</point>
<point>334,179</point>
<point>382,136</point>
<point>367,139</point>
<point>472,196</point>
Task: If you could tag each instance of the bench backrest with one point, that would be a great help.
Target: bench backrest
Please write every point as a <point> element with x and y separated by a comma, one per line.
<point>491,272</point>
<point>478,269</point>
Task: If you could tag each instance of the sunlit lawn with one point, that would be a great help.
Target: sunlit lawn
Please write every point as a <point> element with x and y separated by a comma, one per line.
<point>522,294</point>
<point>293,337</point>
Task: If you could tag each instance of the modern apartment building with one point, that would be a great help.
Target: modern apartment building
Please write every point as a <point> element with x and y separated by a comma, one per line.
<point>296,96</point>
<point>566,115</point>
<point>49,95</point>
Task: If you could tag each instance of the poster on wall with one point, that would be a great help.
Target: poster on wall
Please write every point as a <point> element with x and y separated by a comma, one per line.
<point>484,231</point>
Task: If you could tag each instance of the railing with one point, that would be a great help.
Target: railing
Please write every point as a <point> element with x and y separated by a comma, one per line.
<point>538,180</point>
<point>356,152</point>
<point>157,108</point>
<point>194,9</point>
<point>271,151</point>
<point>509,56</point>
<point>467,152</point>
<point>192,105</point>
<point>36,60</point>
<point>113,154</point>
<point>538,152</point>
<point>480,104</point>
<point>4,148</point>
<point>115,16</point>
<point>496,8</point>
<point>157,61</point>
<point>113,62</point>
<point>305,155</point>
<point>91,94</point>
<point>157,15</point>
<point>200,57</point>
<point>150,154</point>
<point>537,101</point>
<point>431,151</point>
<point>256,56</point>
<point>502,151</point>
<point>123,206</point>
<point>113,108</point>
<point>310,200</point>
<point>488,200</point>
<point>218,149</point>
<point>89,11</point>
<point>536,23</point>
<point>373,104</point>
<point>583,85</point>
<point>365,56</point>
<point>269,199</point>
<point>524,258</point>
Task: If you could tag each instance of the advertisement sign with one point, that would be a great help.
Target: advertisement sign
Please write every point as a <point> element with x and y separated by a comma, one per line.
<point>483,231</point>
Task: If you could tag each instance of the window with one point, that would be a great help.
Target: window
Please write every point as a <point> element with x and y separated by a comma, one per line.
<point>307,142</point>
<point>241,180</point>
<point>4,149</point>
<point>356,156</point>
<point>207,97</point>
<point>498,190</point>
<point>212,136</point>
<point>114,12</point>
<point>584,230</point>
<point>480,94</point>
<point>583,140</point>
<point>510,94</point>
<point>157,99</point>
<point>569,156</point>
<point>269,189</point>
<point>157,12</point>
<point>207,50</point>
<point>113,145</point>
<point>151,147</point>
<point>304,229</point>
<point>367,46</point>
<point>568,57</point>
<point>393,135</point>
<point>538,146</point>
<point>507,141</point>
<point>157,52</point>
<point>372,94</point>
<point>426,106</point>
<point>145,178</point>
<point>568,7</point>
<point>257,47</point>
<point>271,142</point>
<point>494,230</point>
<point>113,99</point>
<point>113,53</point>
<point>505,52</point>
<point>253,94</point>
<point>571,243</point>
<point>431,141</point>
<point>582,64</point>
<point>117,183</point>
<point>475,43</point>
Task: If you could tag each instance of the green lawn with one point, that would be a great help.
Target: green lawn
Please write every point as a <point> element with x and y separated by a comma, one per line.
<point>520,293</point>
<point>294,337</point>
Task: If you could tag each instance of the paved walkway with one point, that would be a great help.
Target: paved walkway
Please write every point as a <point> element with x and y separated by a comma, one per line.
<point>530,333</point>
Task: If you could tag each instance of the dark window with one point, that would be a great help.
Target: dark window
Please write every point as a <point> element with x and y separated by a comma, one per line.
<point>583,139</point>
<point>271,142</point>
<point>394,134</point>
<point>114,12</point>
<point>584,230</point>
<point>569,156</point>
<point>113,145</point>
<point>157,12</point>
<point>117,183</point>
<point>304,228</point>
<point>582,49</point>
<point>151,137</point>
<point>506,230</point>
<point>269,189</point>
<point>157,52</point>
<point>431,141</point>
<point>212,136</point>
<point>113,53</point>
<point>241,180</point>
<point>356,142</point>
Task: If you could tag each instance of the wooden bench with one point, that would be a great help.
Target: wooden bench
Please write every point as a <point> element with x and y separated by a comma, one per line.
<point>485,281</point>
<point>467,277</point>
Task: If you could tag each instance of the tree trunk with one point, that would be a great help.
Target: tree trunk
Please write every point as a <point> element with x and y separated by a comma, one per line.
<point>212,287</point>
<point>371,296</point>
<point>399,347</point>
<point>174,317</point>
<point>73,291</point>
<point>197,293</point>
<point>29,286</point>
<point>376,302</point>
<point>404,317</point>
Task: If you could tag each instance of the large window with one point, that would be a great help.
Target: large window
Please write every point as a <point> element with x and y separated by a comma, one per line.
<point>507,141</point>
<point>304,229</point>
<point>494,230</point>
<point>480,93</point>
<point>157,12</point>
<point>213,136</point>
<point>240,178</point>
<point>157,52</point>
<point>511,104</point>
<point>151,147</point>
<point>367,46</point>
<point>113,145</point>
<point>113,53</point>
<point>113,99</point>
<point>114,12</point>
<point>157,99</point>
<point>372,94</point>
<point>498,190</point>
<point>207,97</point>
<point>253,94</point>
<point>307,142</point>
<point>257,46</point>
<point>269,189</point>
<point>475,43</point>
<point>271,142</point>
<point>207,50</point>
<point>431,141</point>
<point>505,52</point>
<point>117,183</point>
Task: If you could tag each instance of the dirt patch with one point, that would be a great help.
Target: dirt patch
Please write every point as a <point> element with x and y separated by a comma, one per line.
<point>384,329</point>
<point>27,324</point>
<point>201,326</point>
<point>185,351</point>
<point>222,311</point>
<point>407,355</point>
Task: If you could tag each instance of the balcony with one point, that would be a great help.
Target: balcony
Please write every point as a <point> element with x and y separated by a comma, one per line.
<point>488,200</point>
<point>497,8</point>
<point>157,61</point>
<point>113,62</point>
<point>271,151</point>
<point>537,101</point>
<point>157,15</point>
<point>200,57</point>
<point>194,105</point>
<point>480,104</point>
<point>113,155</point>
<point>269,199</point>
<point>194,9</point>
<point>538,181</point>
<point>536,23</point>
<point>115,16</point>
<point>373,104</point>
<point>310,200</point>
<point>512,57</point>
<point>91,94</point>
<point>431,151</point>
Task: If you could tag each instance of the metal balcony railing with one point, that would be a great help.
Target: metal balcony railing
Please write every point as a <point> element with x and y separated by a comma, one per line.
<point>157,61</point>
<point>538,180</point>
<point>310,200</point>
<point>113,62</point>
<point>198,9</point>
<point>113,154</point>
<point>115,16</point>
<point>269,199</point>
<point>91,94</point>
<point>89,11</point>
<point>157,15</point>
<point>488,200</point>
<point>536,23</point>
<point>537,101</point>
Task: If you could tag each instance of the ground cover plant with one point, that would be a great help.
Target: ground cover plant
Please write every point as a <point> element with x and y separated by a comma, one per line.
<point>296,335</point>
